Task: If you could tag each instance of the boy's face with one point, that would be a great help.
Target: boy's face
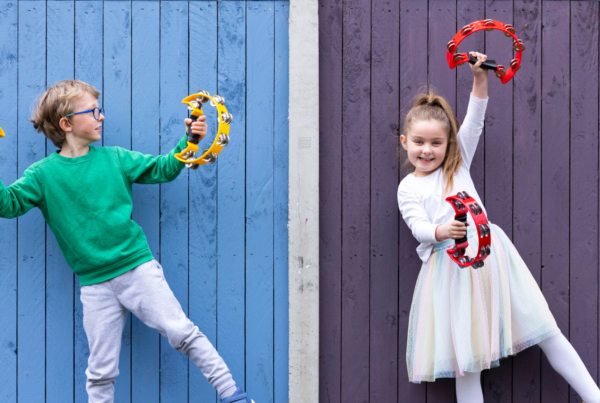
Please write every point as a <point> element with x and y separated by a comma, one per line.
<point>426,145</point>
<point>84,128</point>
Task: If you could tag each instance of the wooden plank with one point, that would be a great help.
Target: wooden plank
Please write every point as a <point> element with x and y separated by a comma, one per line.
<point>555,180</point>
<point>413,76</point>
<point>384,203</point>
<point>468,11</point>
<point>527,205</point>
<point>499,168</point>
<point>145,138</point>
<point>174,195</point>
<point>60,280</point>
<point>203,193</point>
<point>260,36</point>
<point>88,68</point>
<point>281,146</point>
<point>231,191</point>
<point>442,27</point>
<point>330,200</point>
<point>31,235</point>
<point>117,131</point>
<point>584,185</point>
<point>8,174</point>
<point>356,199</point>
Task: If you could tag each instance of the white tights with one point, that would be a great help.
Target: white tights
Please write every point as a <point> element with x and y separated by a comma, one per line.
<point>563,358</point>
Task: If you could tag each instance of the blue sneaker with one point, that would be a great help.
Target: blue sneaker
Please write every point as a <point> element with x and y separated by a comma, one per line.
<point>238,397</point>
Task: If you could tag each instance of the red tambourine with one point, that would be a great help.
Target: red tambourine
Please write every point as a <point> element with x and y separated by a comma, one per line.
<point>456,59</point>
<point>463,203</point>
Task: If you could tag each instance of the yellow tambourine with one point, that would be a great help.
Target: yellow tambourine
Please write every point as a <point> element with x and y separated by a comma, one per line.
<point>1,132</point>
<point>195,103</point>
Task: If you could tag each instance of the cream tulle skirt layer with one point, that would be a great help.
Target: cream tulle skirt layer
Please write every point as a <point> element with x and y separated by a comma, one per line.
<point>466,320</point>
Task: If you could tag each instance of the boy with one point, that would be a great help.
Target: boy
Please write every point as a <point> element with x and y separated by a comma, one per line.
<point>84,194</point>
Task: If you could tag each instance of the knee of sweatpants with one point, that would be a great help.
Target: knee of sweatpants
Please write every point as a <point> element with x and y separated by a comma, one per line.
<point>182,336</point>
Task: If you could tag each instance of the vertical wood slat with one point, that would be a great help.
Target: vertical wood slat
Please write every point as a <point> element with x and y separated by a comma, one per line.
<point>583,303</point>
<point>117,130</point>
<point>88,68</point>
<point>231,191</point>
<point>499,182</point>
<point>145,138</point>
<point>281,201</point>
<point>356,199</point>
<point>555,71</point>
<point>8,228</point>
<point>31,234</point>
<point>527,180</point>
<point>203,194</point>
<point>174,195</point>
<point>330,199</point>
<point>259,200</point>
<point>60,280</point>
<point>443,81</point>
<point>413,77</point>
<point>383,365</point>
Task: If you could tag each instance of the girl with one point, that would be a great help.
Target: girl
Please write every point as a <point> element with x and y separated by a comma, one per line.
<point>463,321</point>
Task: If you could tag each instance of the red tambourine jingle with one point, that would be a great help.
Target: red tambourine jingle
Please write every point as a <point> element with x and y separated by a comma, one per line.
<point>463,203</point>
<point>456,59</point>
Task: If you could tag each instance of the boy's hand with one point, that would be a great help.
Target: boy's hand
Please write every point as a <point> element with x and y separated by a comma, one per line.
<point>199,127</point>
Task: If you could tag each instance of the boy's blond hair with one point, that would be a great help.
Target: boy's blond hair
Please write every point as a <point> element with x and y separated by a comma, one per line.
<point>431,106</point>
<point>57,102</point>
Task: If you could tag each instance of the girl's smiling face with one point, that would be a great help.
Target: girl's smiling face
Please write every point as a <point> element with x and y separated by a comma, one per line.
<point>425,144</point>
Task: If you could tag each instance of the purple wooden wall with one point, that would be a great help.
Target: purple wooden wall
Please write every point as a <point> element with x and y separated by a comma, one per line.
<point>536,168</point>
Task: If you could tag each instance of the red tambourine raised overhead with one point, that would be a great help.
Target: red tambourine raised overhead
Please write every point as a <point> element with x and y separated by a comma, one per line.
<point>456,59</point>
<point>463,203</point>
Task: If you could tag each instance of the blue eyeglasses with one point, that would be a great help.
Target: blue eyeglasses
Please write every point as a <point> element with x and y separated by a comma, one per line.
<point>95,111</point>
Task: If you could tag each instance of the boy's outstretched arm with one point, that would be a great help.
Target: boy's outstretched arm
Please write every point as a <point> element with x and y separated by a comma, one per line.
<point>149,169</point>
<point>21,196</point>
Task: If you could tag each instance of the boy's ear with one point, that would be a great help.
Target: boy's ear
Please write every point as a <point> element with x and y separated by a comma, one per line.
<point>65,125</point>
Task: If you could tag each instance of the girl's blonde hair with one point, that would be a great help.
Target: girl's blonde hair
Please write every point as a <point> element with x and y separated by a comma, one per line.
<point>440,111</point>
<point>57,102</point>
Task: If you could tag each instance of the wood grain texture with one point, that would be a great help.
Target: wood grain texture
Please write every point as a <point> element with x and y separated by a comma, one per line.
<point>330,199</point>
<point>60,280</point>
<point>356,199</point>
<point>145,138</point>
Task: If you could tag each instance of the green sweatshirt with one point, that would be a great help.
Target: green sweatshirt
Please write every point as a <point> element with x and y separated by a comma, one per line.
<point>87,204</point>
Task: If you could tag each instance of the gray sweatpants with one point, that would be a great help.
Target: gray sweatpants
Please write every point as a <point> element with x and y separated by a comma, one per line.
<point>145,292</point>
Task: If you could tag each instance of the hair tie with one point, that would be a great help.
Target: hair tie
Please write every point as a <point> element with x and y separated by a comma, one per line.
<point>432,104</point>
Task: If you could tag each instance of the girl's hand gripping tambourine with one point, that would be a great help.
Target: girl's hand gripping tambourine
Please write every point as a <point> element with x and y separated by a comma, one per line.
<point>456,59</point>
<point>463,203</point>
<point>195,103</point>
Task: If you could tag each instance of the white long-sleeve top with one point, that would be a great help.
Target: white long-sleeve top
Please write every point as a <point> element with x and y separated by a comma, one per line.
<point>420,199</point>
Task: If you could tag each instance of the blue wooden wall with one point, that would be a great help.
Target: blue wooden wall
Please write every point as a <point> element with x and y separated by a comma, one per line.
<point>220,232</point>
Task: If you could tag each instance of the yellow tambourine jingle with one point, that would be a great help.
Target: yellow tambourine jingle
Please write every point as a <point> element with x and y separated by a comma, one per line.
<point>209,156</point>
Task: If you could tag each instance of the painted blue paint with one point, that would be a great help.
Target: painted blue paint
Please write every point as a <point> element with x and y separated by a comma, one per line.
<point>174,195</point>
<point>31,236</point>
<point>203,193</point>
<point>227,265</point>
<point>60,59</point>
<point>117,131</point>
<point>281,200</point>
<point>145,128</point>
<point>8,228</point>
<point>88,68</point>
<point>231,191</point>
<point>259,200</point>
